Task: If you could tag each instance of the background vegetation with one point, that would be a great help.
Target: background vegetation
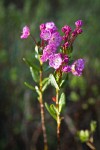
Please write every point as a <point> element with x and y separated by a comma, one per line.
<point>19,110</point>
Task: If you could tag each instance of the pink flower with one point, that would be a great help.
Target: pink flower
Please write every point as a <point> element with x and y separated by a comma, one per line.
<point>66,69</point>
<point>42,26</point>
<point>55,61</point>
<point>51,26</point>
<point>55,39</point>
<point>47,52</point>
<point>25,33</point>
<point>79,23</point>
<point>77,67</point>
<point>66,45</point>
<point>66,29</point>
<point>74,33</point>
<point>79,31</point>
<point>45,35</point>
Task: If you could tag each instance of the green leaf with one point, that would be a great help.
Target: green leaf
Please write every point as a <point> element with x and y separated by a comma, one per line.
<point>45,83</point>
<point>36,49</point>
<point>37,56</point>
<point>33,69</point>
<point>30,64</point>
<point>53,81</point>
<point>54,109</point>
<point>45,80</point>
<point>93,126</point>
<point>37,90</point>
<point>62,102</point>
<point>51,111</point>
<point>62,82</point>
<point>29,86</point>
<point>27,62</point>
<point>34,74</point>
<point>84,135</point>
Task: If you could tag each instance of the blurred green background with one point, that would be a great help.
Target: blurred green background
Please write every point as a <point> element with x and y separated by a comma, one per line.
<point>20,127</point>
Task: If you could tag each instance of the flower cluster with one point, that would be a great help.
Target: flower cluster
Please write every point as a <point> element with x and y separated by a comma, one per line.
<point>50,35</point>
<point>51,40</point>
<point>76,68</point>
<point>69,35</point>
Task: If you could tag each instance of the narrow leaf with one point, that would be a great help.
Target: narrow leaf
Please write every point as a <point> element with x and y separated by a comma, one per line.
<point>62,82</point>
<point>51,111</point>
<point>26,61</point>
<point>37,90</point>
<point>36,49</point>
<point>45,83</point>
<point>54,109</point>
<point>45,80</point>
<point>30,64</point>
<point>53,81</point>
<point>62,102</point>
<point>93,126</point>
<point>34,74</point>
<point>29,86</point>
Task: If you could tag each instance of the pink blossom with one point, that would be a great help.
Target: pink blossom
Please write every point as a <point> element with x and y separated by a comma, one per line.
<point>66,29</point>
<point>77,67</point>
<point>45,35</point>
<point>66,68</point>
<point>47,52</point>
<point>55,61</point>
<point>66,45</point>
<point>55,39</point>
<point>79,31</point>
<point>51,26</point>
<point>42,26</point>
<point>25,32</point>
<point>79,23</point>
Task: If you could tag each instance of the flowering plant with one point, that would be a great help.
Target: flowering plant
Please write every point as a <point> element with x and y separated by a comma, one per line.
<point>56,50</point>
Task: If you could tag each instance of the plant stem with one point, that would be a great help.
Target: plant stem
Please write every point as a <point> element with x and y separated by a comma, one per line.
<point>91,146</point>
<point>58,120</point>
<point>33,39</point>
<point>42,109</point>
